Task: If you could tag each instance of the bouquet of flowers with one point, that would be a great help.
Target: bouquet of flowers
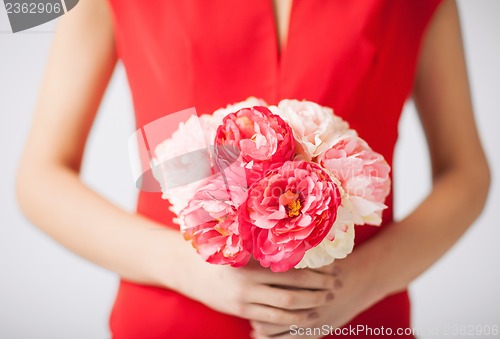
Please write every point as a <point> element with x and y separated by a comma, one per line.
<point>285,184</point>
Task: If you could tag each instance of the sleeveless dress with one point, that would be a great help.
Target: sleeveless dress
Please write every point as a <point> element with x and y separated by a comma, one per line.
<point>358,57</point>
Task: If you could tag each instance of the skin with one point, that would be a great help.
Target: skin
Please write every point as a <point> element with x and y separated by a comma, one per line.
<point>53,197</point>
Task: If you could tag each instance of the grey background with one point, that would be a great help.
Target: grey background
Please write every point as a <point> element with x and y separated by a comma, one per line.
<point>47,292</point>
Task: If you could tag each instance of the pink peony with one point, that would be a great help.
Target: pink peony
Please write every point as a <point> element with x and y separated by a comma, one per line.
<point>287,212</point>
<point>255,139</point>
<point>182,162</point>
<point>210,220</point>
<point>363,174</point>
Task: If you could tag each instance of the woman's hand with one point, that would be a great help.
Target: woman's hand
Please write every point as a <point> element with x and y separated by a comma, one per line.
<point>354,292</point>
<point>258,294</point>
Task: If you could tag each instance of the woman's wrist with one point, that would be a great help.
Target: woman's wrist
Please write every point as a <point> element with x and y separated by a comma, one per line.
<point>372,258</point>
<point>382,257</point>
<point>158,255</point>
<point>162,256</point>
<point>173,262</point>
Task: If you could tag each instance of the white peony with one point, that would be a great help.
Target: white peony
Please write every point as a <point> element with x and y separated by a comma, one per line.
<point>338,243</point>
<point>314,127</point>
<point>182,162</point>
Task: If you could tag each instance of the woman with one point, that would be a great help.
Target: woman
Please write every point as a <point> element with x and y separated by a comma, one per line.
<point>362,58</point>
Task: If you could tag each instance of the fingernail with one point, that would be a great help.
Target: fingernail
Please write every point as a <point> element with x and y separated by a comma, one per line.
<point>313,315</point>
<point>329,296</point>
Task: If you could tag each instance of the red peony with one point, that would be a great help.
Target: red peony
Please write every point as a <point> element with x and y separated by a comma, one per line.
<point>287,212</point>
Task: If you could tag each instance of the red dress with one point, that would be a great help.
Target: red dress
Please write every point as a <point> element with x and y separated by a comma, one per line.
<point>358,57</point>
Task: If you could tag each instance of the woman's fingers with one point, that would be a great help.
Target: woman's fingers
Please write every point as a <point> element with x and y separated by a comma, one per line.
<point>277,316</point>
<point>287,334</point>
<point>289,299</point>
<point>267,329</point>
<point>332,269</point>
<point>300,278</point>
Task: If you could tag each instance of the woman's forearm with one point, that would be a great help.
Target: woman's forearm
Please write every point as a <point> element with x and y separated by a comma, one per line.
<point>461,175</point>
<point>49,189</point>
<point>408,247</point>
<point>138,249</point>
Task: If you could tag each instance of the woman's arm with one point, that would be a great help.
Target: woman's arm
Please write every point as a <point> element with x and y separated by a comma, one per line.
<point>51,194</point>
<point>391,260</point>
<point>49,190</point>
<point>460,172</point>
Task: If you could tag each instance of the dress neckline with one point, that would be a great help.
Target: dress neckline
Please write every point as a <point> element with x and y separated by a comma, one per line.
<point>281,45</point>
